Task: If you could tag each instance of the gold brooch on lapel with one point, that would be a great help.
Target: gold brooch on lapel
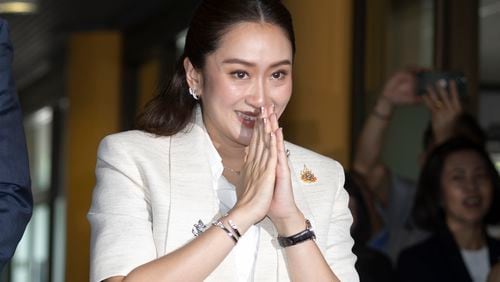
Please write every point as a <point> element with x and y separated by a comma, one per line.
<point>307,176</point>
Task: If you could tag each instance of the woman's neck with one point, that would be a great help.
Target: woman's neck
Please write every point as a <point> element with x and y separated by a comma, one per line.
<point>232,161</point>
<point>231,153</point>
<point>232,157</point>
<point>467,236</point>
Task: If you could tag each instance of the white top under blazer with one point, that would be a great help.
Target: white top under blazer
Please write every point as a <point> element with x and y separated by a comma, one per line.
<point>150,191</point>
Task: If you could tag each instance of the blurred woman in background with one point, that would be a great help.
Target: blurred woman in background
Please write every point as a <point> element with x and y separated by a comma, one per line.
<point>458,195</point>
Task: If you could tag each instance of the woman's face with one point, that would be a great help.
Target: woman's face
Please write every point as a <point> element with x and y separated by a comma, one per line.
<point>251,68</point>
<point>466,188</point>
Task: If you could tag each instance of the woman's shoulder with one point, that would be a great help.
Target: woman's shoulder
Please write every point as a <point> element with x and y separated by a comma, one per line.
<point>132,142</point>
<point>423,250</point>
<point>421,262</point>
<point>494,246</point>
<point>130,136</point>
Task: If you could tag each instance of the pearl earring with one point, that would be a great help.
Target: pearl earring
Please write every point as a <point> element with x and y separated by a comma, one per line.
<point>192,92</point>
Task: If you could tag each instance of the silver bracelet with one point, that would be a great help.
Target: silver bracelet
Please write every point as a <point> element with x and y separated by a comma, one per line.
<point>219,224</point>
<point>198,228</point>
<point>234,228</point>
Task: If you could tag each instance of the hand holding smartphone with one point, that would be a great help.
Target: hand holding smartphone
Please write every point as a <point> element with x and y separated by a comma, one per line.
<point>431,78</point>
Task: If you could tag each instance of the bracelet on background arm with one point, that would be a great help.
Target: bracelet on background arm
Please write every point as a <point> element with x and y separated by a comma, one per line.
<point>383,109</point>
<point>381,116</point>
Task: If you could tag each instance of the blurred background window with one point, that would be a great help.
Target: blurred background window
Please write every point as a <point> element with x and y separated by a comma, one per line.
<point>37,258</point>
<point>489,74</point>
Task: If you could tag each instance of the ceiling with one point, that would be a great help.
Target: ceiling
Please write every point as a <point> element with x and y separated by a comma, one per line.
<point>39,39</point>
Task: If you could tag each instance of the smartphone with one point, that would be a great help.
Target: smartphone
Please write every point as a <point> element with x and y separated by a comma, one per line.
<point>430,78</point>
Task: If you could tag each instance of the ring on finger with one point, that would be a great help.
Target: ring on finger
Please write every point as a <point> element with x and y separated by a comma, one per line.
<point>438,105</point>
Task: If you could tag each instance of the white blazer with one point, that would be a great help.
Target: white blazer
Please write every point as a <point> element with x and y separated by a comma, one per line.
<point>151,190</point>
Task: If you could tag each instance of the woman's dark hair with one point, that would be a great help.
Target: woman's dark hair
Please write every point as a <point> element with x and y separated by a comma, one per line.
<point>171,110</point>
<point>362,228</point>
<point>427,211</point>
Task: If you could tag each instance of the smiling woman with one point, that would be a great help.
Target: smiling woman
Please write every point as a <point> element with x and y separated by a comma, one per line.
<point>210,149</point>
<point>240,77</point>
<point>458,195</point>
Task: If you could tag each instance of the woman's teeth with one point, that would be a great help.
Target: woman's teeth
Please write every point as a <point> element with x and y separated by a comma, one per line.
<point>472,201</point>
<point>247,117</point>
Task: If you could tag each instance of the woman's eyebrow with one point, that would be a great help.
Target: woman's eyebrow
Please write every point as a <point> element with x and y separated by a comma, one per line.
<point>250,64</point>
<point>238,61</point>
<point>281,63</point>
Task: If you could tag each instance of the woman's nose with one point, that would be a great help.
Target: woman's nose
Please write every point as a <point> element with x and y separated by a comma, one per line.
<point>471,184</point>
<point>258,95</point>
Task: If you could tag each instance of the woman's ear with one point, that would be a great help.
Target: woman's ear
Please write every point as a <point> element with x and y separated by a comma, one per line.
<point>193,76</point>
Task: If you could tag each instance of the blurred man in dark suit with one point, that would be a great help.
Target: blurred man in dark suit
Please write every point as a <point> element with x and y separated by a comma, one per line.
<point>16,201</point>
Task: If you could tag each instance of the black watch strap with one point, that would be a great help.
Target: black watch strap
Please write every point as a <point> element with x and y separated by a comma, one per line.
<point>300,237</point>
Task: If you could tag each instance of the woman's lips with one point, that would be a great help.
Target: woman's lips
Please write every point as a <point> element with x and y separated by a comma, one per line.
<point>247,119</point>
<point>472,202</point>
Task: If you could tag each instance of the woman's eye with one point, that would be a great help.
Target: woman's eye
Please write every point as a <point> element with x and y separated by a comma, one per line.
<point>240,74</point>
<point>278,75</point>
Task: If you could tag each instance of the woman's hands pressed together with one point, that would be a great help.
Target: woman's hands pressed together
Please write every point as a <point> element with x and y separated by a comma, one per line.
<point>266,190</point>
<point>265,187</point>
<point>256,186</point>
<point>283,211</point>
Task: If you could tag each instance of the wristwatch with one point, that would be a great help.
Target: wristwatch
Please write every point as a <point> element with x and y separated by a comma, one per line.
<point>307,234</point>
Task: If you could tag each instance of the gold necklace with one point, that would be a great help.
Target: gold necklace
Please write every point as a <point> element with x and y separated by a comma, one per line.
<point>238,172</point>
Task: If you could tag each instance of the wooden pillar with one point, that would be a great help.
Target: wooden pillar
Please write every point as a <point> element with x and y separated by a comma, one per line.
<point>377,14</point>
<point>93,72</point>
<point>148,82</point>
<point>457,41</point>
<point>319,114</point>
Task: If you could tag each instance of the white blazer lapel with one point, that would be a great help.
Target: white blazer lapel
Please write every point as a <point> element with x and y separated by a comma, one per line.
<point>298,192</point>
<point>271,261</point>
<point>191,194</point>
<point>307,194</point>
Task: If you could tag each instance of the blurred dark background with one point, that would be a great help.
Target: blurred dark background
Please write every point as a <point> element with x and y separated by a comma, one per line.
<point>40,38</point>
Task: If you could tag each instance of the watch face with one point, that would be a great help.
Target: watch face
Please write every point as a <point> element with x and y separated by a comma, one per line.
<point>308,224</point>
<point>300,237</point>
